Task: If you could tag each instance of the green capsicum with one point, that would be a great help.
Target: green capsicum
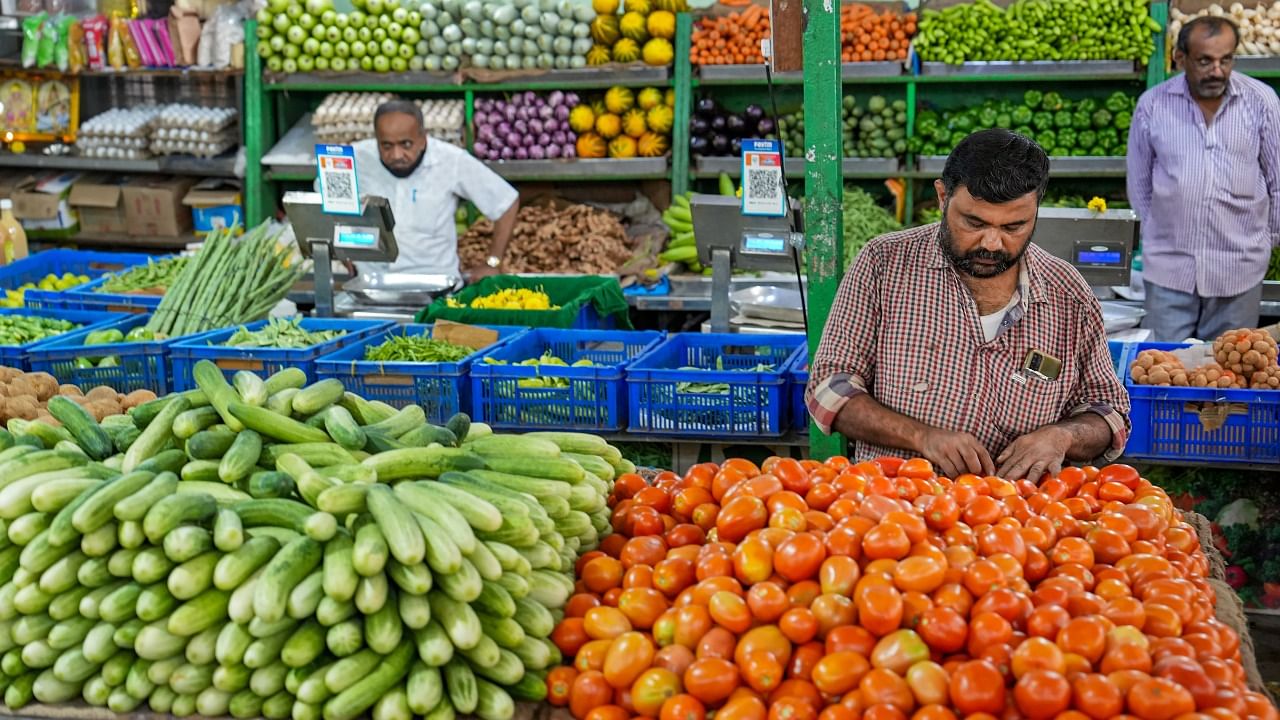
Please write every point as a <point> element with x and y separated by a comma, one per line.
<point>1047,139</point>
<point>1021,116</point>
<point>1059,152</point>
<point>987,117</point>
<point>1004,120</point>
<point>1080,120</point>
<point>1052,102</point>
<point>1118,102</point>
<point>1061,120</point>
<point>1123,119</point>
<point>1087,105</point>
<point>1033,98</point>
<point>1101,118</point>
<point>1042,120</point>
<point>1025,131</point>
<point>1066,138</point>
<point>1086,139</point>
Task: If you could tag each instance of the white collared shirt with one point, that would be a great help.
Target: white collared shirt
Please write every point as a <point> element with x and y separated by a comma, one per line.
<point>424,203</point>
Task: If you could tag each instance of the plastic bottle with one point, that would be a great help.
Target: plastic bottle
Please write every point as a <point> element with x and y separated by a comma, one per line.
<point>13,239</point>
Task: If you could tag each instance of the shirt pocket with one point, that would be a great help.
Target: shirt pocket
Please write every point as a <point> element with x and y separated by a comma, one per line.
<point>923,390</point>
<point>1244,177</point>
<point>1030,405</point>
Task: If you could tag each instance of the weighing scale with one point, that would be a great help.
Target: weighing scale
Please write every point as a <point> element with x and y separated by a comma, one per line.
<point>728,240</point>
<point>326,238</point>
<point>1099,245</point>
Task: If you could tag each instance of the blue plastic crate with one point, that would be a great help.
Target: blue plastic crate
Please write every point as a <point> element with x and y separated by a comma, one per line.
<point>184,354</point>
<point>587,398</point>
<point>142,365</point>
<point>1119,353</point>
<point>440,388</point>
<point>18,356</point>
<point>798,375</point>
<point>755,404</point>
<point>57,262</point>
<point>589,319</point>
<point>1167,421</point>
<point>85,298</point>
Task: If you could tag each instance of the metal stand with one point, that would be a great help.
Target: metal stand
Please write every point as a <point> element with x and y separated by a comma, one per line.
<point>323,270</point>
<point>721,274</point>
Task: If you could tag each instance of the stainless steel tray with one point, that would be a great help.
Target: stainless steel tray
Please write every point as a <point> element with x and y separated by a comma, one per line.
<point>768,302</point>
<point>731,74</point>
<point>1254,63</point>
<point>400,289</point>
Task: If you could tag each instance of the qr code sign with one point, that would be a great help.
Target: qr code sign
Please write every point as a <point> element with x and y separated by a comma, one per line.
<point>338,185</point>
<point>765,185</point>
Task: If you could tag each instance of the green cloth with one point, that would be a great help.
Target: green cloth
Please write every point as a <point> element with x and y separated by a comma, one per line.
<point>571,293</point>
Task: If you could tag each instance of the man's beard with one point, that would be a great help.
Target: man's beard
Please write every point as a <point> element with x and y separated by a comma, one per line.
<point>410,170</point>
<point>966,263</point>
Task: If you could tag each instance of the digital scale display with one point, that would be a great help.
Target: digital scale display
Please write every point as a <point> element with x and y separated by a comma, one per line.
<point>764,244</point>
<point>1095,257</point>
<point>347,236</point>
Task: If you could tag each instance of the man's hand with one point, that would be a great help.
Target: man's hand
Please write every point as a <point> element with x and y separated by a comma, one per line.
<point>483,271</point>
<point>1034,454</point>
<point>956,453</point>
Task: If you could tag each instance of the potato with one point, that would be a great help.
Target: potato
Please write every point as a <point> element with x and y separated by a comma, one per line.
<point>102,392</point>
<point>70,390</point>
<point>20,386</point>
<point>136,398</point>
<point>7,374</point>
<point>24,407</point>
<point>46,385</point>
<point>99,410</point>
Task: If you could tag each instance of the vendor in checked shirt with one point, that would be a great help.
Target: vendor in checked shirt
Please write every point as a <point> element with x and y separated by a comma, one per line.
<point>963,342</point>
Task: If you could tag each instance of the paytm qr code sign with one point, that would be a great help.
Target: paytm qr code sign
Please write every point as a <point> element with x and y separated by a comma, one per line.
<point>763,190</point>
<point>339,192</point>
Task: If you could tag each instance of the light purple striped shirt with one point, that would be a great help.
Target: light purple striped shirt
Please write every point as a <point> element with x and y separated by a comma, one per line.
<point>1208,197</point>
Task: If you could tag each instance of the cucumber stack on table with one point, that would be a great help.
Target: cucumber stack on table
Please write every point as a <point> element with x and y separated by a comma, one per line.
<point>263,549</point>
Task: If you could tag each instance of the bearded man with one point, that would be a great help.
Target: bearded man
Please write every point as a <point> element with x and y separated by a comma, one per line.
<point>965,343</point>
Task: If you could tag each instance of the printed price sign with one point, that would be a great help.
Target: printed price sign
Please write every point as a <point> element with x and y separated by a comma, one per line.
<point>339,191</point>
<point>763,191</point>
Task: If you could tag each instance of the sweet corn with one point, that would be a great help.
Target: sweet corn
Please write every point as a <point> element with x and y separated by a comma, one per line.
<point>509,299</point>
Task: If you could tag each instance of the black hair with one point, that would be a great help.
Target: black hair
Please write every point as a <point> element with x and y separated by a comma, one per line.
<point>399,107</point>
<point>1213,24</point>
<point>997,166</point>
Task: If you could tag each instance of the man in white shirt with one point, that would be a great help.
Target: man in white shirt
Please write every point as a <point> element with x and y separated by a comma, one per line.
<point>424,180</point>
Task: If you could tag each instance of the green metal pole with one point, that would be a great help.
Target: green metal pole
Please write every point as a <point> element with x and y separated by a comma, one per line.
<point>257,203</point>
<point>1155,66</point>
<point>684,101</point>
<point>823,181</point>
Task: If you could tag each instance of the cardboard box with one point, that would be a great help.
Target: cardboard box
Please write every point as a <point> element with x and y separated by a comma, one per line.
<point>44,206</point>
<point>153,206</point>
<point>99,201</point>
<point>215,203</point>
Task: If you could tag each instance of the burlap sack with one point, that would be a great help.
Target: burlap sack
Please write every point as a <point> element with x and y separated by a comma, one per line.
<point>1228,607</point>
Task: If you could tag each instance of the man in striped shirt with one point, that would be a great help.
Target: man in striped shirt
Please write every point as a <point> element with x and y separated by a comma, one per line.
<point>1204,177</point>
<point>965,343</point>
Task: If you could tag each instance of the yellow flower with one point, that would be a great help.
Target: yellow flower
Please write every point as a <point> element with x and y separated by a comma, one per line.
<point>1098,205</point>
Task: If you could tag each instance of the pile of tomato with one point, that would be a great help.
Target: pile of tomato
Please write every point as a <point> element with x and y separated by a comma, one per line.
<point>836,591</point>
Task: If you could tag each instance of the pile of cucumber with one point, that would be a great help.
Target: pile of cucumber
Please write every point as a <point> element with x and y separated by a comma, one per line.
<point>261,548</point>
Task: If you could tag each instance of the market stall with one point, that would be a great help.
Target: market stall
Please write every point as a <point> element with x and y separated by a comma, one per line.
<point>237,479</point>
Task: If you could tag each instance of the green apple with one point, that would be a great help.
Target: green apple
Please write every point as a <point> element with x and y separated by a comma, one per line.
<point>400,15</point>
<point>342,49</point>
<point>379,35</point>
<point>395,30</point>
<point>319,31</point>
<point>290,66</point>
<point>264,32</point>
<point>410,36</point>
<point>328,17</point>
<point>275,63</point>
<point>326,50</point>
<point>358,49</point>
<point>342,20</point>
<point>276,43</point>
<point>366,63</point>
<point>281,23</point>
<point>364,34</point>
<point>399,64</point>
<point>333,34</point>
<point>295,35</point>
<point>292,51</point>
<point>338,64</point>
<point>306,21</point>
<point>373,7</point>
<point>294,11</point>
<point>322,63</point>
<point>311,46</point>
<point>306,63</point>
<point>381,64</point>
<point>350,34</point>
<point>405,51</point>
<point>389,47</point>
<point>265,51</point>
<point>264,16</point>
